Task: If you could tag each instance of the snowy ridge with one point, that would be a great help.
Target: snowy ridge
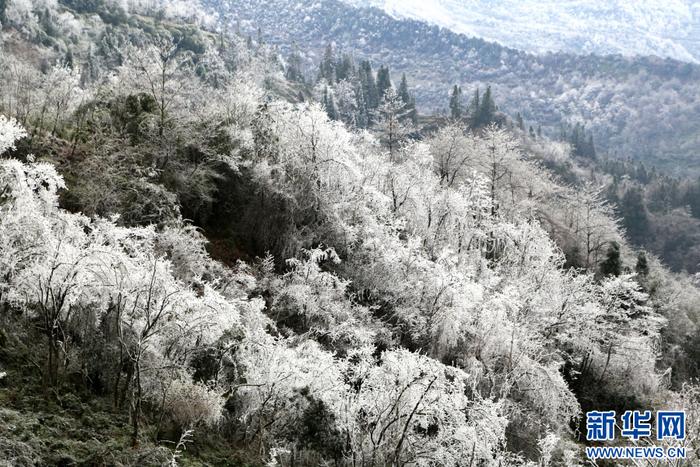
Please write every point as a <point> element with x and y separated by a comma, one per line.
<point>666,28</point>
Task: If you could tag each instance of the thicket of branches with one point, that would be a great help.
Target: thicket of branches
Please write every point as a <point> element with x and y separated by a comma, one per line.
<point>375,299</point>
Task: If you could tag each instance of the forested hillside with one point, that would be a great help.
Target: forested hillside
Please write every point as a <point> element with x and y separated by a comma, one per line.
<point>645,108</point>
<point>653,191</point>
<point>204,261</point>
<point>664,28</point>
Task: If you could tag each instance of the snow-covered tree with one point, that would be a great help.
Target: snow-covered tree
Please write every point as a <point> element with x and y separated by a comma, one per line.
<point>394,129</point>
<point>10,132</point>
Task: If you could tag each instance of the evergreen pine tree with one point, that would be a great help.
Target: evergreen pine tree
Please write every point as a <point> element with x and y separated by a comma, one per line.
<point>369,85</point>
<point>264,137</point>
<point>331,108</point>
<point>642,266</point>
<point>483,112</point>
<point>576,141</point>
<point>383,81</point>
<point>362,112</point>
<point>590,147</point>
<point>90,69</point>
<point>324,98</point>
<point>563,132</point>
<point>408,99</point>
<point>474,105</point>
<point>412,112</point>
<point>612,266</point>
<point>68,60</point>
<point>582,145</point>
<point>487,110</point>
<point>344,68</point>
<point>393,126</point>
<point>293,71</point>
<point>329,103</point>
<point>612,197</point>
<point>693,198</point>
<point>456,103</point>
<point>403,90</point>
<point>327,67</point>
<point>520,122</point>
<point>634,215</point>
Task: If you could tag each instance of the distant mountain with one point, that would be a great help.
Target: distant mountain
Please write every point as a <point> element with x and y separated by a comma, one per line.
<point>646,107</point>
<point>667,28</point>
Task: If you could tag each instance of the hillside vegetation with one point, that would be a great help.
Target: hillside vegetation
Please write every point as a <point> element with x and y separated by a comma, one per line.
<point>200,265</point>
<point>640,107</point>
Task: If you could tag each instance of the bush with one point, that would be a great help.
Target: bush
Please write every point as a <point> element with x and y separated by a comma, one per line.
<point>190,404</point>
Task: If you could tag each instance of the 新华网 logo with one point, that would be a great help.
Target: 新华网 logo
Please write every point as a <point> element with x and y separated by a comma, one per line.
<point>635,425</point>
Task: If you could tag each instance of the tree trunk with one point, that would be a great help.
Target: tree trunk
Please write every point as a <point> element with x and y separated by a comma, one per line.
<point>136,410</point>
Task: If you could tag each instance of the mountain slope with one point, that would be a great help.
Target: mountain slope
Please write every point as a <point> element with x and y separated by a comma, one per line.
<point>643,108</point>
<point>664,28</point>
<point>412,302</point>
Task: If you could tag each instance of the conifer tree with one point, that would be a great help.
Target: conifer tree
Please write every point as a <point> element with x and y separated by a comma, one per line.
<point>413,113</point>
<point>344,68</point>
<point>693,198</point>
<point>487,110</point>
<point>383,81</point>
<point>590,147</point>
<point>408,99</point>
<point>456,103</point>
<point>329,104</point>
<point>612,266</point>
<point>520,122</point>
<point>264,138</point>
<point>327,67</point>
<point>474,105</point>
<point>642,266</point>
<point>90,70</point>
<point>634,214</point>
<point>69,60</point>
<point>484,111</point>
<point>369,85</point>
<point>293,71</point>
<point>581,144</point>
<point>403,90</point>
<point>393,125</point>
<point>362,112</point>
